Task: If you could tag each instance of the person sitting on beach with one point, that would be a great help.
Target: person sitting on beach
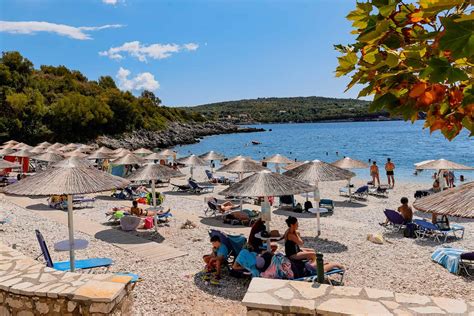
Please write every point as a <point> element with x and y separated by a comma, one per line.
<point>137,211</point>
<point>254,242</point>
<point>374,173</point>
<point>215,260</point>
<point>405,210</point>
<point>436,187</point>
<point>294,251</point>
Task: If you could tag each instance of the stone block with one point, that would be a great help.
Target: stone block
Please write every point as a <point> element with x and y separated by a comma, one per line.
<point>257,312</point>
<point>99,291</point>
<point>14,303</point>
<point>103,308</point>
<point>302,307</point>
<point>42,307</point>
<point>345,291</point>
<point>430,310</point>
<point>390,304</point>
<point>412,298</point>
<point>375,293</point>
<point>285,293</point>
<point>4,311</point>
<point>351,306</point>
<point>25,313</point>
<point>262,301</point>
<point>309,290</point>
<point>450,305</point>
<point>264,285</point>
<point>71,306</point>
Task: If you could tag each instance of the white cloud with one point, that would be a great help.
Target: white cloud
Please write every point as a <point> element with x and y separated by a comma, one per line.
<point>142,81</point>
<point>142,52</point>
<point>32,27</point>
<point>112,2</point>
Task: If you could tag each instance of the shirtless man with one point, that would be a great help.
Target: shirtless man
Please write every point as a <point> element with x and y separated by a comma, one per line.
<point>389,167</point>
<point>404,210</point>
<point>374,173</point>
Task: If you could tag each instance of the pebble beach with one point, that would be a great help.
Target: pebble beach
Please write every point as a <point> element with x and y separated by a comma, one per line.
<point>175,287</point>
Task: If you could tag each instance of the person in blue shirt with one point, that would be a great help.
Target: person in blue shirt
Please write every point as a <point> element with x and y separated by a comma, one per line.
<point>216,259</point>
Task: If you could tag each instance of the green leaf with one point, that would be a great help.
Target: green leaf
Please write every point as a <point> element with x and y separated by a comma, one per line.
<point>455,75</point>
<point>383,101</point>
<point>392,59</point>
<point>371,35</point>
<point>432,7</point>
<point>458,38</point>
<point>469,124</point>
<point>346,64</point>
<point>440,69</point>
<point>444,107</point>
<point>360,16</point>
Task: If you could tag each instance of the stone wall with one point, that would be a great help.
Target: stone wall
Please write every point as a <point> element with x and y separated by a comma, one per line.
<point>266,297</point>
<point>28,287</point>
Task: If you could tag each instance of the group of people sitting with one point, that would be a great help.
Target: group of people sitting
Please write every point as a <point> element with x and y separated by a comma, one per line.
<point>297,261</point>
<point>120,212</point>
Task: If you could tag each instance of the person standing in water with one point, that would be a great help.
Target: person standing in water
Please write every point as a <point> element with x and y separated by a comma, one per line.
<point>389,167</point>
<point>374,173</point>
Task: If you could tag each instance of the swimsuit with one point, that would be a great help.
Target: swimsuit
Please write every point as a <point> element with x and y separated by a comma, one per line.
<point>291,248</point>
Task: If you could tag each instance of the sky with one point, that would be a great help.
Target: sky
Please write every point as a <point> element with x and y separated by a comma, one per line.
<point>188,52</point>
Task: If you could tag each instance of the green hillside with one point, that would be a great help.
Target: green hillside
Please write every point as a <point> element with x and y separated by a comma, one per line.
<point>295,109</point>
<point>58,104</point>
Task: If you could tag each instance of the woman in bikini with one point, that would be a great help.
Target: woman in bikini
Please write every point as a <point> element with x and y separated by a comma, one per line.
<point>295,251</point>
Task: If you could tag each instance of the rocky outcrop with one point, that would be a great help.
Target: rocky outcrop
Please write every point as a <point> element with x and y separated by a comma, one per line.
<point>175,134</point>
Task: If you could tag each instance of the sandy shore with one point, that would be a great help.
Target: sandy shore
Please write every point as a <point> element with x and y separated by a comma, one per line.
<point>171,287</point>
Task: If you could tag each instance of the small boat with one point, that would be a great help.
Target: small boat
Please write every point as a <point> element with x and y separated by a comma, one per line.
<point>254,142</point>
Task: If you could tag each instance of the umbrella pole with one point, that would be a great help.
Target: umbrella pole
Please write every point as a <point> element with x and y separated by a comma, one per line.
<point>349,190</point>
<point>191,171</point>
<point>70,224</point>
<point>153,192</point>
<point>318,216</point>
<point>277,168</point>
<point>267,225</point>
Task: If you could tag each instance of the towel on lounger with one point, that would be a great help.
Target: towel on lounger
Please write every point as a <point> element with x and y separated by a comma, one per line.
<point>448,258</point>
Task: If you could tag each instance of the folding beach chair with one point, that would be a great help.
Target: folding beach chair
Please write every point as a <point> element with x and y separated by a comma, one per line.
<point>334,272</point>
<point>199,188</point>
<point>362,192</point>
<point>380,192</point>
<point>327,204</point>
<point>234,243</point>
<point>428,229</point>
<point>66,265</point>
<point>466,263</point>
<point>395,220</point>
<point>181,188</point>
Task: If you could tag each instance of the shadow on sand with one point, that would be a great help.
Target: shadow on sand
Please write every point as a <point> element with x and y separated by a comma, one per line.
<point>217,222</point>
<point>238,286</point>
<point>286,213</point>
<point>324,245</point>
<point>114,236</point>
<point>348,204</point>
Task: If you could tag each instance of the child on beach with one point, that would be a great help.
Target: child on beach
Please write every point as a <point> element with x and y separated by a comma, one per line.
<point>215,260</point>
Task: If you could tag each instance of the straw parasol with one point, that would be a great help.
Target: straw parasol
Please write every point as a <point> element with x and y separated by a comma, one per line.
<point>49,157</point>
<point>69,181</point>
<point>129,159</point>
<point>8,146</point>
<point>212,155</point>
<point>105,150</point>
<point>277,160</point>
<point>294,165</point>
<point>71,146</point>
<point>317,171</point>
<point>192,161</point>
<point>44,144</point>
<point>167,152</point>
<point>422,163</point>
<point>443,164</point>
<point>142,151</point>
<point>23,153</point>
<point>56,146</point>
<point>226,162</point>
<point>73,162</point>
<point>121,152</point>
<point>6,151</point>
<point>242,166</point>
<point>153,172</point>
<point>349,163</point>
<point>75,153</point>
<point>7,164</point>
<point>100,155</point>
<point>10,142</point>
<point>38,150</point>
<point>154,156</point>
<point>18,146</point>
<point>458,201</point>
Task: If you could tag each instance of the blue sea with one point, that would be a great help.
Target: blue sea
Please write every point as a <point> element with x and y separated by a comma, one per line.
<point>403,142</point>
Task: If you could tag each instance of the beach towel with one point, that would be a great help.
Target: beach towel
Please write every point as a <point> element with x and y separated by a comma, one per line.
<point>448,258</point>
<point>280,268</point>
<point>248,260</point>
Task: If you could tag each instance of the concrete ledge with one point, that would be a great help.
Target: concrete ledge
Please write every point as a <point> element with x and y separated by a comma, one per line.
<point>28,286</point>
<point>282,297</point>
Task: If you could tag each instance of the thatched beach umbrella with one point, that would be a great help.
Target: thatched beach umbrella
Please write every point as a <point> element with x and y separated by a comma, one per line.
<point>7,164</point>
<point>167,152</point>
<point>18,146</point>
<point>192,161</point>
<point>154,172</point>
<point>294,165</point>
<point>154,156</point>
<point>23,153</point>
<point>129,159</point>
<point>242,166</point>
<point>68,181</point>
<point>48,157</point>
<point>317,171</point>
<point>349,163</point>
<point>43,144</point>
<point>7,146</point>
<point>277,160</point>
<point>211,156</point>
<point>75,153</point>
<point>443,164</point>
<point>458,201</point>
<point>38,150</point>
<point>142,151</point>
<point>10,142</point>
<point>6,151</point>
<point>85,148</point>
<point>121,152</point>
<point>105,150</point>
<point>73,162</point>
<point>228,161</point>
<point>100,155</point>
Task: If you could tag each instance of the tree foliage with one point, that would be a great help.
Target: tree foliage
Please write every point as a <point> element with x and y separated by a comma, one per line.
<point>58,104</point>
<point>415,57</point>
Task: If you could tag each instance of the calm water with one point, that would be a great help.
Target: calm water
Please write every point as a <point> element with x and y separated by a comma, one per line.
<point>403,142</point>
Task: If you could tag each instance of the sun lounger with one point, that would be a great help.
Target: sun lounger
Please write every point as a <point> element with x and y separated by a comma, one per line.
<point>327,204</point>
<point>449,258</point>
<point>466,263</point>
<point>181,188</point>
<point>66,265</point>
<point>380,192</point>
<point>428,229</point>
<point>234,243</point>
<point>335,271</point>
<point>395,220</point>
<point>287,201</point>
<point>199,188</point>
<point>362,192</point>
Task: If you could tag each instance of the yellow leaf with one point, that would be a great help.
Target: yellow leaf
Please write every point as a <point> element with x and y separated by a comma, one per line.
<point>392,59</point>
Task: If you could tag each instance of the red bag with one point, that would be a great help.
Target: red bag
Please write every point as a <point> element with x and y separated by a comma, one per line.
<point>141,200</point>
<point>148,223</point>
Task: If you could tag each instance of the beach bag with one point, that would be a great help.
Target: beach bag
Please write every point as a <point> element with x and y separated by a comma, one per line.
<point>148,223</point>
<point>443,224</point>
<point>142,200</point>
<point>308,205</point>
<point>375,238</point>
<point>409,231</point>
